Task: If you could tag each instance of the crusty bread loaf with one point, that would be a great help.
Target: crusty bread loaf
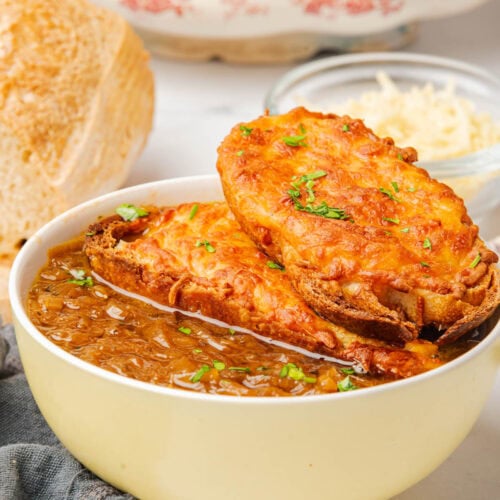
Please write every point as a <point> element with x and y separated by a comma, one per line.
<point>76,103</point>
<point>5,314</point>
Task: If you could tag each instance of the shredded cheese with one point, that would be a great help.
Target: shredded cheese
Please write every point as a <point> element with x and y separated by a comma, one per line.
<point>436,122</point>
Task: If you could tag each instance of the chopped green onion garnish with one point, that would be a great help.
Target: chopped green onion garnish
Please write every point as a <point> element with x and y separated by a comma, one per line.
<point>197,351</point>
<point>390,219</point>
<point>86,282</point>
<point>274,265</point>
<point>295,373</point>
<point>193,211</point>
<point>89,233</point>
<point>476,261</point>
<point>78,274</point>
<point>309,180</point>
<point>347,371</point>
<point>322,209</point>
<point>424,264</point>
<point>245,131</point>
<point>405,229</point>
<point>197,376</point>
<point>388,193</point>
<point>427,244</point>
<point>345,127</point>
<point>310,380</point>
<point>240,152</point>
<point>395,186</point>
<point>219,365</point>
<point>312,176</point>
<point>240,369</point>
<point>311,197</point>
<point>302,128</point>
<point>412,190</point>
<point>262,368</point>
<point>80,279</point>
<point>295,140</point>
<point>130,212</point>
<point>231,331</point>
<point>185,330</point>
<point>400,157</point>
<point>346,385</point>
<point>204,243</point>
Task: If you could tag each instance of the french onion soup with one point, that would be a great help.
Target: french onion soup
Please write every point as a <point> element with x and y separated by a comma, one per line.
<point>196,257</point>
<point>334,264</point>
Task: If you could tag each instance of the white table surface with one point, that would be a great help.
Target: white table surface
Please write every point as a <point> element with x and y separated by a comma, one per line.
<point>198,103</point>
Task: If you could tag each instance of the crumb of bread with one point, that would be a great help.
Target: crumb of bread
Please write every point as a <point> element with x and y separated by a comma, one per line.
<point>76,102</point>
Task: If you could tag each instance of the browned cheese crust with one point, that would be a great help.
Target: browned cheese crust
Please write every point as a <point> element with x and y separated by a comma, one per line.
<point>167,256</point>
<point>404,253</point>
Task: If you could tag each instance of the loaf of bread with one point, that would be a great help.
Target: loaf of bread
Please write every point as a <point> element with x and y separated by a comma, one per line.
<point>76,104</point>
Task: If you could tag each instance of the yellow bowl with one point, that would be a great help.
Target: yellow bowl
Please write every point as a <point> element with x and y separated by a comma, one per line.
<point>164,443</point>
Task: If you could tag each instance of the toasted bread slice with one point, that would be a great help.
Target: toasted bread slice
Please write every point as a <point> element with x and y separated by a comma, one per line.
<point>368,239</point>
<point>206,263</point>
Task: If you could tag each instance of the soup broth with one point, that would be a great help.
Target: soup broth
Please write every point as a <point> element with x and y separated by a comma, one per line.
<point>113,330</point>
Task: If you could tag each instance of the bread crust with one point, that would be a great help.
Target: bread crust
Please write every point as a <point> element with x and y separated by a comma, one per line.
<point>161,257</point>
<point>405,254</point>
<point>5,312</point>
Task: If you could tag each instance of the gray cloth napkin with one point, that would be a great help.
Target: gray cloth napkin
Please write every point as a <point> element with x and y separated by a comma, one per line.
<point>33,463</point>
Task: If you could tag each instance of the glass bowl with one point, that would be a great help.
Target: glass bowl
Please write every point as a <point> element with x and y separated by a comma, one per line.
<point>475,177</point>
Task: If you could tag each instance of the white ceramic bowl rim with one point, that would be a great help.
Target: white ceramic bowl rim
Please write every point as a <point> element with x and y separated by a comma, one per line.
<point>307,70</point>
<point>19,312</point>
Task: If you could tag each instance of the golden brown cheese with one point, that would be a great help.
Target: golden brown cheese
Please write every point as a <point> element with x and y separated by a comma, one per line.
<point>205,262</point>
<point>403,253</point>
